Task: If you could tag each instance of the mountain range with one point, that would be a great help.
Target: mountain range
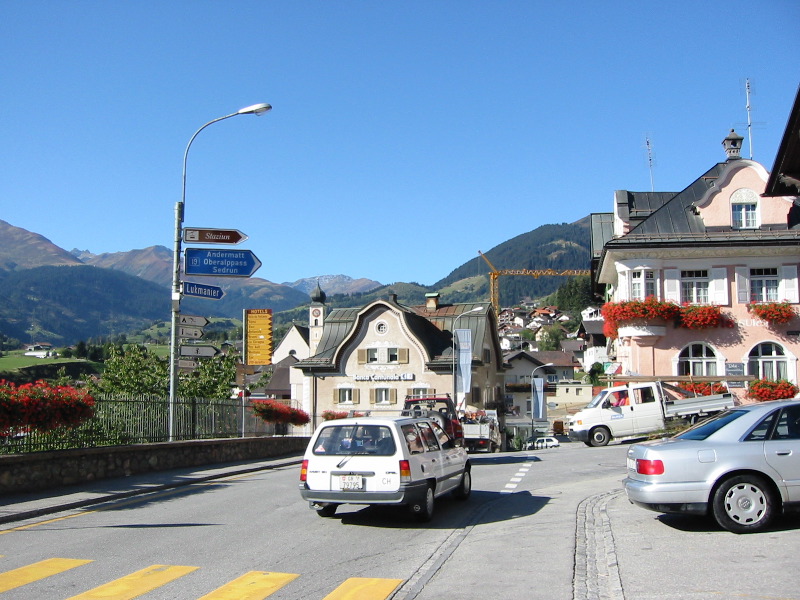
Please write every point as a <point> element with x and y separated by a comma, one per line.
<point>120,292</point>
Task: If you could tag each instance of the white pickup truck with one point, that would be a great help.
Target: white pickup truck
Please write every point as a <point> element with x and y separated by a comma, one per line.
<point>482,431</point>
<point>637,409</point>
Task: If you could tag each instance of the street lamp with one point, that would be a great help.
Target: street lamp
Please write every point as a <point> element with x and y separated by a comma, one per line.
<point>455,391</point>
<point>533,393</point>
<point>255,109</point>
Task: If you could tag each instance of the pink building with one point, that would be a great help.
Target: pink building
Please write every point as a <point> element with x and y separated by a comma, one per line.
<point>720,242</point>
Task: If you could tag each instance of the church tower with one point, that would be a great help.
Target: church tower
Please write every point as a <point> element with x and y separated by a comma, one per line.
<point>316,318</point>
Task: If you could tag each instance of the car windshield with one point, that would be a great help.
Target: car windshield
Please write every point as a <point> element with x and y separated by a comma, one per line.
<point>598,399</point>
<point>344,440</point>
<point>711,425</point>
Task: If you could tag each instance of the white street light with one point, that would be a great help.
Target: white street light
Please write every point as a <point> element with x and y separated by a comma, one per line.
<point>533,393</point>
<point>455,391</point>
<point>255,109</point>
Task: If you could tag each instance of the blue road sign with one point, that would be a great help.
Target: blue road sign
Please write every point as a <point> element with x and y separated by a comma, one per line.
<point>220,263</point>
<point>201,290</point>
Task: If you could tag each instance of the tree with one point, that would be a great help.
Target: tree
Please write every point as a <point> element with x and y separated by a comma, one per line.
<point>550,338</point>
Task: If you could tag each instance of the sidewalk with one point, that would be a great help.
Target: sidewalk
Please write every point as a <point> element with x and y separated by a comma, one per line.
<point>18,507</point>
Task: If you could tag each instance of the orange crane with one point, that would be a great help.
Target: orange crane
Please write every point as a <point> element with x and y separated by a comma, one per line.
<point>495,273</point>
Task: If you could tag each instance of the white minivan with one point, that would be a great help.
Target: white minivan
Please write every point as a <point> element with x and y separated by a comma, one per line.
<point>383,460</point>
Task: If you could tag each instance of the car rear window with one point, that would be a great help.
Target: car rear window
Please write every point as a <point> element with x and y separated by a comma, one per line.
<point>711,425</point>
<point>341,440</point>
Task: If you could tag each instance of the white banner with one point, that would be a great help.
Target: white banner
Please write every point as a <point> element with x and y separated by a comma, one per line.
<point>464,371</point>
<point>538,405</point>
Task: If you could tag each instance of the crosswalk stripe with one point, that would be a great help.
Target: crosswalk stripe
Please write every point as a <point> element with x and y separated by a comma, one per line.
<point>136,584</point>
<point>45,568</point>
<point>364,588</point>
<point>255,585</point>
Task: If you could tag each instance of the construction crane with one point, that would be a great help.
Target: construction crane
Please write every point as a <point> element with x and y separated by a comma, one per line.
<point>495,274</point>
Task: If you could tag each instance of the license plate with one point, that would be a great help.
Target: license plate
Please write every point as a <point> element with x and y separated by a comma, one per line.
<point>351,482</point>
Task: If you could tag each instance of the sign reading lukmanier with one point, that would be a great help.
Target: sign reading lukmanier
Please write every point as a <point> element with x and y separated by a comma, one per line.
<point>220,263</point>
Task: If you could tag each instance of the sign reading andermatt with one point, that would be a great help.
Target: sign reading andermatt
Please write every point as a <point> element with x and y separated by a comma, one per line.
<point>395,377</point>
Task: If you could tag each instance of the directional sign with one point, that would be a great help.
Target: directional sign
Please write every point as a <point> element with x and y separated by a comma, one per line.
<point>190,332</point>
<point>201,290</point>
<point>192,320</point>
<point>198,350</point>
<point>187,364</point>
<point>220,263</point>
<point>257,336</point>
<point>213,236</point>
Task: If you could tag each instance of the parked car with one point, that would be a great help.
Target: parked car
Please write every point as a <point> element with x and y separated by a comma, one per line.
<point>740,466</point>
<point>545,441</point>
<point>403,461</point>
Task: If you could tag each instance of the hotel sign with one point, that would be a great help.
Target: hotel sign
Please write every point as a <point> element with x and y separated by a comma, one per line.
<point>394,377</point>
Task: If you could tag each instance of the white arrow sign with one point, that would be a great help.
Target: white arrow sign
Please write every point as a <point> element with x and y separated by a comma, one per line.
<point>190,332</point>
<point>197,350</point>
<point>192,320</point>
<point>187,364</point>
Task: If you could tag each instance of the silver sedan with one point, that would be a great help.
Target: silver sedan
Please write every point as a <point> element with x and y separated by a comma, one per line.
<point>742,466</point>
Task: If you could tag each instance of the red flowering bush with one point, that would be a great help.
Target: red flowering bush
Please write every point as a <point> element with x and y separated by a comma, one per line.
<point>648,309</point>
<point>330,415</point>
<point>273,411</point>
<point>764,390</point>
<point>42,407</point>
<point>703,316</point>
<point>704,389</point>
<point>774,312</point>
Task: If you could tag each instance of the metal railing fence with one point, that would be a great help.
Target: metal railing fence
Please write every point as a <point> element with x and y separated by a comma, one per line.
<point>122,420</point>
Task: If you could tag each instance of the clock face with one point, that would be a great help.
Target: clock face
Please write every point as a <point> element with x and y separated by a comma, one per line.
<point>315,312</point>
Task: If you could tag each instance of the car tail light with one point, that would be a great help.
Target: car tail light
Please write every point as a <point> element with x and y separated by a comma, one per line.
<point>649,467</point>
<point>405,470</point>
<point>304,471</point>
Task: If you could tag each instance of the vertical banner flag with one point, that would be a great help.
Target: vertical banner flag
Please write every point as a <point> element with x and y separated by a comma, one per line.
<point>464,372</point>
<point>257,336</point>
<point>538,405</point>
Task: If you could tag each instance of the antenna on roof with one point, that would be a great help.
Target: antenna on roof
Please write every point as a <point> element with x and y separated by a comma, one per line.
<point>749,122</point>
<point>650,161</point>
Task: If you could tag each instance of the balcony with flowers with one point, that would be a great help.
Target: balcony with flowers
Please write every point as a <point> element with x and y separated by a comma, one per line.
<point>774,313</point>
<point>642,319</point>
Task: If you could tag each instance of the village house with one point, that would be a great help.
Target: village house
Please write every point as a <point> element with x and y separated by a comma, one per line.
<point>371,357</point>
<point>724,250</point>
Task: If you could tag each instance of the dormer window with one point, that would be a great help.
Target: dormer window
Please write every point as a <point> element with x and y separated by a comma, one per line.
<point>744,209</point>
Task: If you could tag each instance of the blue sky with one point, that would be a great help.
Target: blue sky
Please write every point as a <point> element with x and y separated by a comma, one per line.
<point>404,136</point>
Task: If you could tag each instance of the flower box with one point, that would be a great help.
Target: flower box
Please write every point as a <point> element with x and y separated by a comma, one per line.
<point>764,390</point>
<point>772,312</point>
<point>650,311</point>
<point>703,316</point>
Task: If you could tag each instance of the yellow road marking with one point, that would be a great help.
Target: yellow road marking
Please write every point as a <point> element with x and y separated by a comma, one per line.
<point>255,585</point>
<point>45,568</point>
<point>136,584</point>
<point>364,588</point>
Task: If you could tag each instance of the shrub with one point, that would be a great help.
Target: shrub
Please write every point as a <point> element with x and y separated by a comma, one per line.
<point>273,411</point>
<point>42,407</point>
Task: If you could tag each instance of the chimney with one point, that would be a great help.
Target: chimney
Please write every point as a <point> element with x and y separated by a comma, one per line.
<point>733,145</point>
<point>432,301</point>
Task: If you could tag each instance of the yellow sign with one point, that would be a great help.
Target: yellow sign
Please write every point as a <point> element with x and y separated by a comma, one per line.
<point>258,336</point>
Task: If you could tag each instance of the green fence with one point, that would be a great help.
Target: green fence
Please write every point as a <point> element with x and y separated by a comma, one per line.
<point>122,420</point>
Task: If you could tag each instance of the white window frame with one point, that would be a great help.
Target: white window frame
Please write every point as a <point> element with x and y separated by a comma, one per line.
<point>745,212</point>
<point>774,366</point>
<point>764,284</point>
<point>643,284</point>
<point>695,286</point>
<point>700,360</point>
<point>787,284</point>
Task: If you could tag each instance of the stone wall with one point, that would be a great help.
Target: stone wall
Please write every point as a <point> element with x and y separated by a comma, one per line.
<point>43,470</point>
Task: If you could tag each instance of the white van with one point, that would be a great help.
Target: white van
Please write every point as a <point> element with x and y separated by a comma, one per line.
<point>383,460</point>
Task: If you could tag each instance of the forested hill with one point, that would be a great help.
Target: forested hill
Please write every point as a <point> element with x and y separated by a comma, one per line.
<point>558,247</point>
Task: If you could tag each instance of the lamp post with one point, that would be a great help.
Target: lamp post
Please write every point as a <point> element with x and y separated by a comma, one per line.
<point>455,391</point>
<point>533,394</point>
<point>255,109</point>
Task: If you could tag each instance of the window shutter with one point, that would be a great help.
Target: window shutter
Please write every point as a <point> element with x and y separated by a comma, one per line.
<point>742,285</point>
<point>402,355</point>
<point>623,287</point>
<point>362,356</point>
<point>392,396</point>
<point>356,395</point>
<point>787,287</point>
<point>336,396</point>
<point>372,395</point>
<point>719,286</point>
<point>672,285</point>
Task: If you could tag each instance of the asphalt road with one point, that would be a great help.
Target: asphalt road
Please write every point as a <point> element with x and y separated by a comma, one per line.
<point>551,524</point>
